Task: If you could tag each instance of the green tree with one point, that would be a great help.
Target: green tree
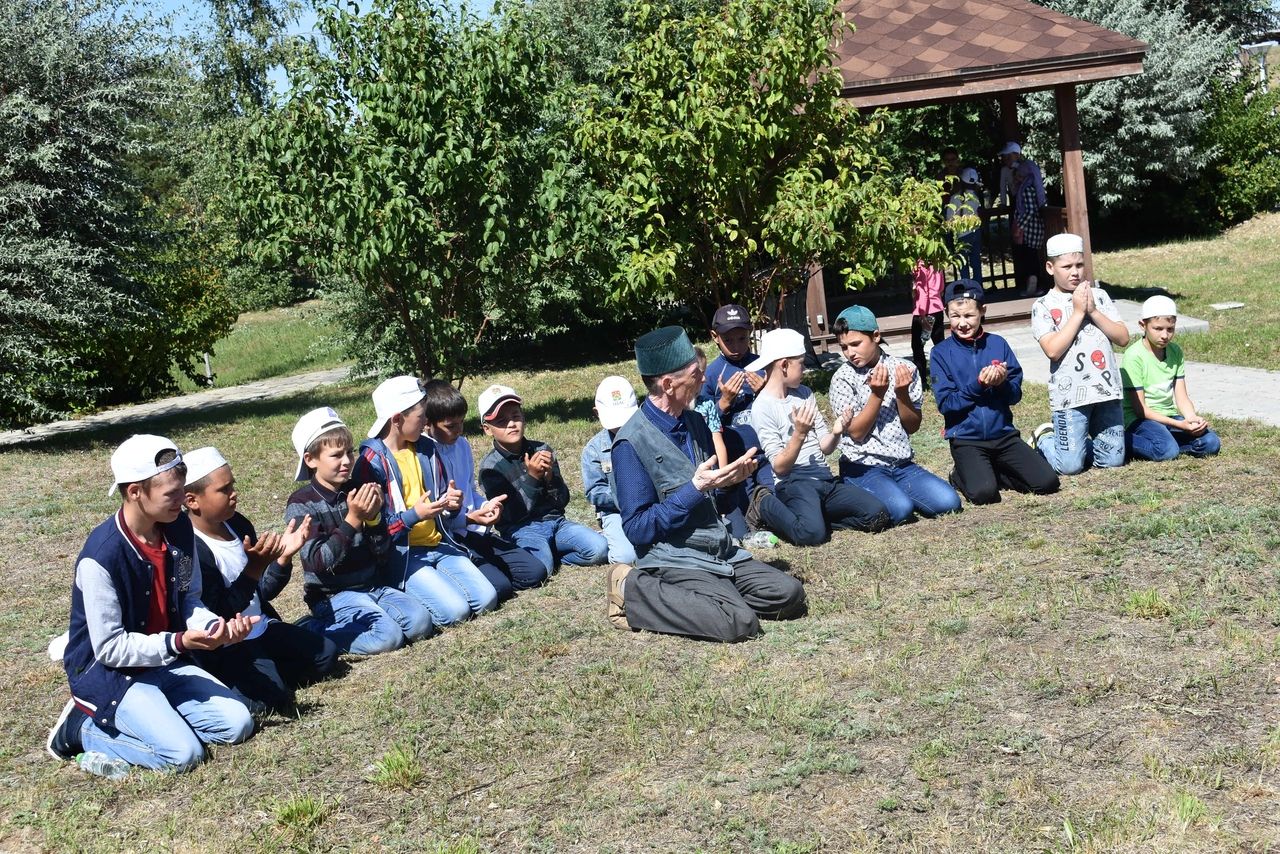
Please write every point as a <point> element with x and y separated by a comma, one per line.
<point>729,163</point>
<point>1141,128</point>
<point>90,306</point>
<point>416,162</point>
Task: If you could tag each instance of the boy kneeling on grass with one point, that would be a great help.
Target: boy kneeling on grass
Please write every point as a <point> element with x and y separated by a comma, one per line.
<point>343,559</point>
<point>136,613</point>
<point>418,497</point>
<point>1160,419</point>
<point>807,500</point>
<point>507,566</point>
<point>976,381</point>
<point>528,475</point>
<point>241,573</point>
<point>884,395</point>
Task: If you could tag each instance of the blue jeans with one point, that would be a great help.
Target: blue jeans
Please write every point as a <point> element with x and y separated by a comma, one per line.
<point>620,548</point>
<point>803,510</point>
<point>369,622</point>
<point>1092,432</point>
<point>167,717</point>
<point>447,583</point>
<point>904,488</point>
<point>559,540</point>
<point>1150,440</point>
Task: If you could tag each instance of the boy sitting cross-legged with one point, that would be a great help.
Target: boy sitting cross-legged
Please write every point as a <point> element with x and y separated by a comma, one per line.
<point>136,612</point>
<point>507,566</point>
<point>342,560</point>
<point>241,573</point>
<point>418,497</point>
<point>884,395</point>
<point>527,473</point>
<point>1076,324</point>
<point>976,381</point>
<point>1161,421</point>
<point>808,500</point>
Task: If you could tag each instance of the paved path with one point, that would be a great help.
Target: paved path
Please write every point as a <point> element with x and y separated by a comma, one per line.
<point>1222,390</point>
<point>202,401</point>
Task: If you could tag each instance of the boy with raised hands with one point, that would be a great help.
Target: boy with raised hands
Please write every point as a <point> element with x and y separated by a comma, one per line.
<point>343,558</point>
<point>419,497</point>
<point>241,573</point>
<point>808,500</point>
<point>136,612</point>
<point>1077,326</point>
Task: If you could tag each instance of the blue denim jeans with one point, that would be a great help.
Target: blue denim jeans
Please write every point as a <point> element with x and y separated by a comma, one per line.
<point>1092,433</point>
<point>904,489</point>
<point>620,548</point>
<point>1150,440</point>
<point>167,717</point>
<point>369,622</point>
<point>558,540</point>
<point>447,583</point>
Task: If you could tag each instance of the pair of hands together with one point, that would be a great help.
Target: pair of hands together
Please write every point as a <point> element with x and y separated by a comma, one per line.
<point>729,388</point>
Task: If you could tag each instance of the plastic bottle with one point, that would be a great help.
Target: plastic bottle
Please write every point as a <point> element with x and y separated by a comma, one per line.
<point>102,765</point>
<point>761,540</point>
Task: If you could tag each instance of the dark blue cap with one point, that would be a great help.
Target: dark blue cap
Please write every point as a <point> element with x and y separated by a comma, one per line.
<point>962,289</point>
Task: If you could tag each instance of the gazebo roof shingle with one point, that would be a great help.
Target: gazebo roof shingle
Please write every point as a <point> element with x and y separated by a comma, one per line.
<point>914,52</point>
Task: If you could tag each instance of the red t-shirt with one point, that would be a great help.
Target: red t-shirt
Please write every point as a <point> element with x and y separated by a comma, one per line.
<point>158,615</point>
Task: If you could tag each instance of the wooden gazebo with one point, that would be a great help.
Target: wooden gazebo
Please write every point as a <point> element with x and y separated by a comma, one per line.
<point>910,53</point>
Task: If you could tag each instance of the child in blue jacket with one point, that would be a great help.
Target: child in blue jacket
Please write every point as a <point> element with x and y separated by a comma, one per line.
<point>976,380</point>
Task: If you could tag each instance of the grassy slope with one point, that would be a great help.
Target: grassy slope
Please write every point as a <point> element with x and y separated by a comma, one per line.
<point>1242,265</point>
<point>275,343</point>
<point>1096,667</point>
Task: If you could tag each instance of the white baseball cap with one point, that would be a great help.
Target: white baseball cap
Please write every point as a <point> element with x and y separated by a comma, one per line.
<point>308,429</point>
<point>492,398</point>
<point>1010,148</point>
<point>1063,244</point>
<point>1159,306</point>
<point>778,344</point>
<point>136,457</point>
<point>202,462</point>
<point>969,175</point>
<point>615,402</point>
<point>391,396</point>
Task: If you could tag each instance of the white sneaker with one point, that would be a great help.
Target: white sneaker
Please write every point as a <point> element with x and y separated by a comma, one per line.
<point>1037,434</point>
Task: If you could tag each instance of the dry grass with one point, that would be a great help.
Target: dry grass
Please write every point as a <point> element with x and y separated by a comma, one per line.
<point>1094,670</point>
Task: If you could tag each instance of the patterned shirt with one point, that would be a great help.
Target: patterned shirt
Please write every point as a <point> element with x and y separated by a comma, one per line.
<point>1026,212</point>
<point>709,408</point>
<point>888,443</point>
<point>1088,372</point>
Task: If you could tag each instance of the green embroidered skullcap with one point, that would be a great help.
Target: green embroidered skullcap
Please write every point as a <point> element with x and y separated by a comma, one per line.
<point>663,351</point>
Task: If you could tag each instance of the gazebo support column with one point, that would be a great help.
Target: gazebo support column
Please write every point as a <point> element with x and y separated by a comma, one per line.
<point>1009,117</point>
<point>1073,169</point>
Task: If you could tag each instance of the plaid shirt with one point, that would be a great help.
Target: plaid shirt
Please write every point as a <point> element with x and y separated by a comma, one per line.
<point>528,500</point>
<point>1026,211</point>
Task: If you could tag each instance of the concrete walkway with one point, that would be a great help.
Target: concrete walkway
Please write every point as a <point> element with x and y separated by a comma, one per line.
<point>1222,390</point>
<point>200,401</point>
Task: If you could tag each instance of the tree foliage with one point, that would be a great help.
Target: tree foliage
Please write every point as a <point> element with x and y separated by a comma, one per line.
<point>728,162</point>
<point>1136,129</point>
<point>96,303</point>
<point>1243,178</point>
<point>413,162</point>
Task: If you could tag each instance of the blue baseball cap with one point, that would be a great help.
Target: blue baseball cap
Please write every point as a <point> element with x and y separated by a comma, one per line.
<point>963,289</point>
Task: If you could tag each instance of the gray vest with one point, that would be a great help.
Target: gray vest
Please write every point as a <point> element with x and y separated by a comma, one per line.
<point>702,542</point>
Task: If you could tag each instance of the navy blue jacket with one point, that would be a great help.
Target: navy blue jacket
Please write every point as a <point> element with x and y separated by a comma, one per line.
<point>971,410</point>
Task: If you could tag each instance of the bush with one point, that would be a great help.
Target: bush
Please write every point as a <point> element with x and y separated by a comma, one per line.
<point>1243,134</point>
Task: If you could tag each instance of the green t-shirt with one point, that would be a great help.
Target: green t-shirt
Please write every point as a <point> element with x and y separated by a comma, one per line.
<point>1140,369</point>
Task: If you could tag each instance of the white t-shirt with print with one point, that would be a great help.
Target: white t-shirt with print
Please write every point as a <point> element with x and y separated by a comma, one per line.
<point>231,560</point>
<point>771,418</point>
<point>888,443</point>
<point>1088,372</point>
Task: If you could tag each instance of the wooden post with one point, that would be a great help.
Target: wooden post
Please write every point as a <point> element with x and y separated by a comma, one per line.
<point>1073,169</point>
<point>1009,118</point>
<point>816,307</point>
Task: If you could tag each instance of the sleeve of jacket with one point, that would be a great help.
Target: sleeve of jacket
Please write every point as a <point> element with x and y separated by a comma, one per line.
<point>370,467</point>
<point>595,483</point>
<point>326,547</point>
<point>953,394</point>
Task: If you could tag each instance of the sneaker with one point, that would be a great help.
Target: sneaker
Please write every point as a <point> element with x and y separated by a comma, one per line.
<point>1037,434</point>
<point>64,738</point>
<point>755,522</point>
<point>617,609</point>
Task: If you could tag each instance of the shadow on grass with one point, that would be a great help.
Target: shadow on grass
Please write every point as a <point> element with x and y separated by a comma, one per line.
<point>1137,293</point>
